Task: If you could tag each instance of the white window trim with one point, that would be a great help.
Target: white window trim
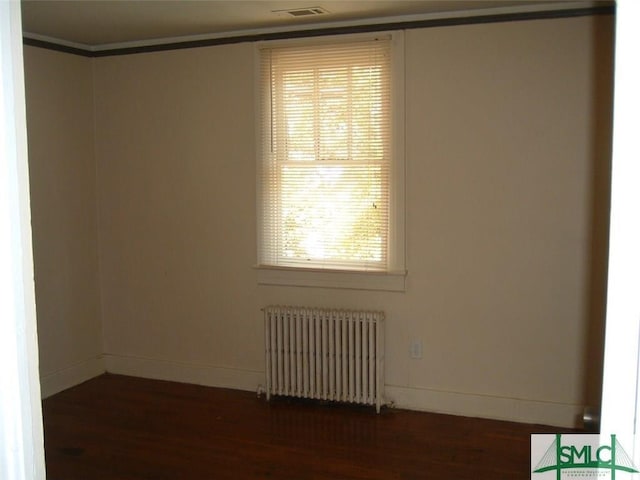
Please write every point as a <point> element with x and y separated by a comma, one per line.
<point>394,278</point>
<point>309,277</point>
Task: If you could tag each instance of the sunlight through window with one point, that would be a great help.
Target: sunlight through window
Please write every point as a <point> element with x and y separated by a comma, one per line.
<point>326,156</point>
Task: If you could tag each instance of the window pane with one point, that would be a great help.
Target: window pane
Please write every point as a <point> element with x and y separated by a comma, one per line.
<point>333,212</point>
<point>333,114</point>
<point>299,110</point>
<point>325,173</point>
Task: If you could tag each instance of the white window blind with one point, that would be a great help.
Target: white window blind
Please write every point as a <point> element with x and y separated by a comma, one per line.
<point>326,156</point>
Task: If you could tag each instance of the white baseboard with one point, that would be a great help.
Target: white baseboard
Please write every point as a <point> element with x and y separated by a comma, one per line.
<point>52,383</point>
<point>208,375</point>
<point>485,406</point>
<point>420,399</point>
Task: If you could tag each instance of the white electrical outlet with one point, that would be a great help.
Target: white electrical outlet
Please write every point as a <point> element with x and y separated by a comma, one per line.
<point>415,350</point>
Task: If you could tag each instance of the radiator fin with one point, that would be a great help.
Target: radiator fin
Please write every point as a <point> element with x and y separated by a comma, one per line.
<point>325,354</point>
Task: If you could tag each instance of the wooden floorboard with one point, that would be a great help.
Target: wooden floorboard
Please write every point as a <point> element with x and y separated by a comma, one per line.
<point>125,428</point>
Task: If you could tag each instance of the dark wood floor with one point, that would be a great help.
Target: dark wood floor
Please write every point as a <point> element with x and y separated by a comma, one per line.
<point>116,427</point>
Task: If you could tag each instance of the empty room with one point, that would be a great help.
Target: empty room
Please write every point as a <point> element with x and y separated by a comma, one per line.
<point>317,239</point>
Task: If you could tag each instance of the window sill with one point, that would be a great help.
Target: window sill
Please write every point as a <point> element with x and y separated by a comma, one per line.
<point>306,277</point>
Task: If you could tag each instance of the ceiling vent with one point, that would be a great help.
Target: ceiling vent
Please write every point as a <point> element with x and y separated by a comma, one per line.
<point>302,12</point>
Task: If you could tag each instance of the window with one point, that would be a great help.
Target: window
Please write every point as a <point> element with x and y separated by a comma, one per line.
<point>328,181</point>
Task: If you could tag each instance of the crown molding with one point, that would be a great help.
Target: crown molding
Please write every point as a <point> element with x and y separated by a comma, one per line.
<point>467,17</point>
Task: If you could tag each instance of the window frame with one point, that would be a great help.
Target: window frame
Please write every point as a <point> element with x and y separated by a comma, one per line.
<point>393,277</point>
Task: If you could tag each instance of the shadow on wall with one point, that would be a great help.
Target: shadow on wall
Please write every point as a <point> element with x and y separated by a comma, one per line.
<point>600,160</point>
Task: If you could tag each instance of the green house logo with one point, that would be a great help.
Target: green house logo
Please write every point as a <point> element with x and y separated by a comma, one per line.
<point>582,456</point>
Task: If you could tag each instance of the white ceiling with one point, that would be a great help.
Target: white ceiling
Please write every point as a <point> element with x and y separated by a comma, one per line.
<point>96,23</point>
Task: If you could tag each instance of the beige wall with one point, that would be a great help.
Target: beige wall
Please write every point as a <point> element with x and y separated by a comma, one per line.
<point>60,117</point>
<point>507,140</point>
<point>504,157</point>
<point>176,182</point>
